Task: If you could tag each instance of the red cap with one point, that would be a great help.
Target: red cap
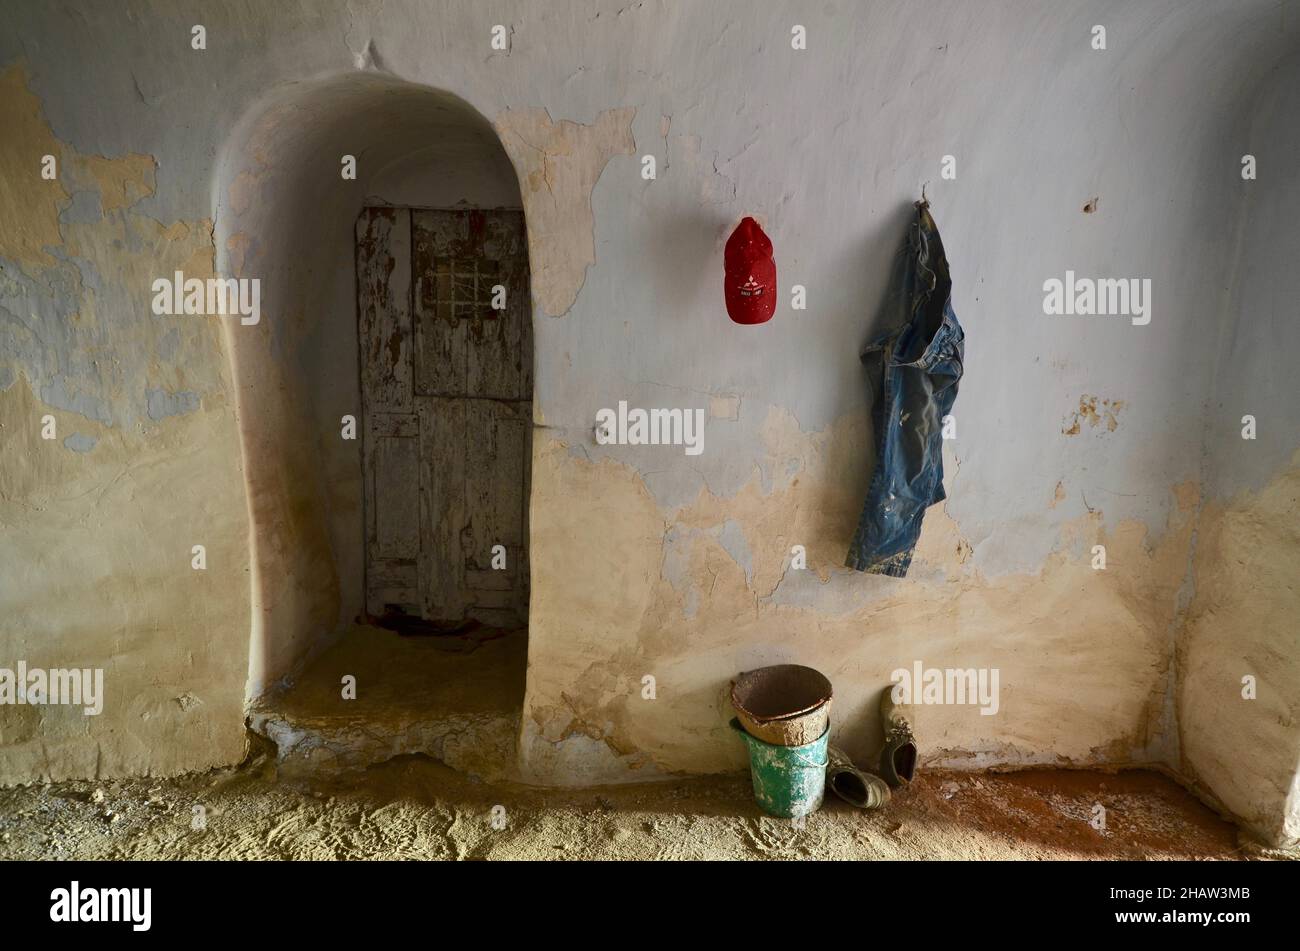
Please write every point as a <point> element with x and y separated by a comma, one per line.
<point>750,282</point>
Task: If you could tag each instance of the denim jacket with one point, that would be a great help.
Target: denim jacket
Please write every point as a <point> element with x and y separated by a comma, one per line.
<point>913,369</point>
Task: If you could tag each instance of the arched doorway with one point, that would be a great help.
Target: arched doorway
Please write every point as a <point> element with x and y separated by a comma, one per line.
<point>322,448</point>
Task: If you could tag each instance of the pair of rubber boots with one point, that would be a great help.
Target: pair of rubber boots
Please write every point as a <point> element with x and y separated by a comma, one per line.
<point>897,762</point>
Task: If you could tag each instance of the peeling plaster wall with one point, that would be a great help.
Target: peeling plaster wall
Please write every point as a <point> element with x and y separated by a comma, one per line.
<point>559,163</point>
<point>1071,431</point>
<point>96,569</point>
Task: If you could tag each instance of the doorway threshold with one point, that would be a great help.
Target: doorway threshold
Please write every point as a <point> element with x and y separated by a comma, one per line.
<point>455,698</point>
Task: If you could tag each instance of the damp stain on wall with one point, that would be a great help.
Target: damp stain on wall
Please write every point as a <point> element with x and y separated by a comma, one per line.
<point>1093,411</point>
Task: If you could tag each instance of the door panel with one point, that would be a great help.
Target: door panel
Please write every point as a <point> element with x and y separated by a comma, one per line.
<point>392,510</point>
<point>390,448</point>
<point>441,325</point>
<point>397,476</point>
<point>384,309</point>
<point>464,346</point>
<point>497,436</point>
<point>443,513</point>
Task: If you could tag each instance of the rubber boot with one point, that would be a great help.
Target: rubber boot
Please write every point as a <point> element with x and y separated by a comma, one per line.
<point>898,755</point>
<point>855,786</point>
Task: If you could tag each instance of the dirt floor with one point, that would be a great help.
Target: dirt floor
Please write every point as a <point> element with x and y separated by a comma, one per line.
<point>413,807</point>
<point>342,779</point>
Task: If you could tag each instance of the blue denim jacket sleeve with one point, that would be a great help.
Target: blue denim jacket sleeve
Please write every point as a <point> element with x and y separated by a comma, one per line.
<point>913,370</point>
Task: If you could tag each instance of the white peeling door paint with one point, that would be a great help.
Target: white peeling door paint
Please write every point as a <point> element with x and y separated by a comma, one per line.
<point>446,383</point>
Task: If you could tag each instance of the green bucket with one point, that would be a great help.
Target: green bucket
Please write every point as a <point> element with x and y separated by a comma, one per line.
<point>789,781</point>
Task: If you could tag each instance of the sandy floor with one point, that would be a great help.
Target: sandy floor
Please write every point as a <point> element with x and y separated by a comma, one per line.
<point>414,807</point>
<point>458,697</point>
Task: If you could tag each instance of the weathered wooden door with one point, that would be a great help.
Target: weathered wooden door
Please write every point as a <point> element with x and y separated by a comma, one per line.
<point>446,387</point>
